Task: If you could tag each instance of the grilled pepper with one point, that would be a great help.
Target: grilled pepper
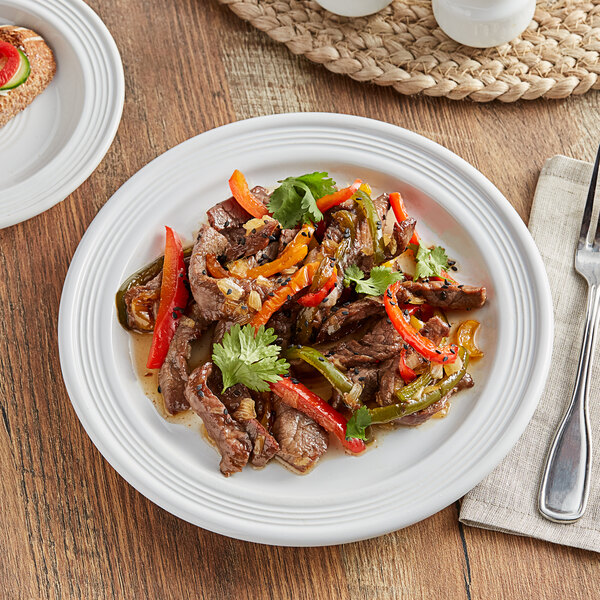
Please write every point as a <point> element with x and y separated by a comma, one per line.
<point>406,372</point>
<point>298,281</point>
<point>173,299</point>
<point>141,277</point>
<point>293,253</point>
<point>326,202</point>
<point>245,198</point>
<point>315,298</point>
<point>375,225</point>
<point>400,213</point>
<point>215,269</point>
<point>410,335</point>
<point>335,377</point>
<point>465,336</point>
<point>385,414</point>
<point>298,396</point>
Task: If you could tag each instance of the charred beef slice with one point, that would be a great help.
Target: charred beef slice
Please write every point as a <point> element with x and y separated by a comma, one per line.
<point>443,295</point>
<point>173,374</point>
<point>230,214</point>
<point>301,441</point>
<point>264,445</point>
<point>249,243</point>
<point>231,440</point>
<point>345,319</point>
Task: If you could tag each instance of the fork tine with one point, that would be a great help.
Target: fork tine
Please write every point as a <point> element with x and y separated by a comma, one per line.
<point>589,206</point>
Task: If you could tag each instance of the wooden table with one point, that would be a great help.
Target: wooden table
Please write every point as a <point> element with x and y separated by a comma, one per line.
<point>71,527</point>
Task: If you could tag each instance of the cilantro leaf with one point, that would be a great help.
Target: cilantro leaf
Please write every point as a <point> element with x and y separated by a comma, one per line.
<point>295,200</point>
<point>357,424</point>
<point>430,261</point>
<point>253,360</point>
<point>379,281</point>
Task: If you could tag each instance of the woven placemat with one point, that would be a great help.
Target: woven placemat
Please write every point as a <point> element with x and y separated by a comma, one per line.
<point>403,47</point>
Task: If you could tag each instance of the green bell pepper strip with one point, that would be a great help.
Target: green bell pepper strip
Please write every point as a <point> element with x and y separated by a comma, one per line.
<point>407,392</point>
<point>141,277</point>
<point>363,417</point>
<point>385,414</point>
<point>335,377</point>
<point>375,225</point>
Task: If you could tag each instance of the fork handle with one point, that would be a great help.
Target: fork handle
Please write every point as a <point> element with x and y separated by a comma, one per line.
<point>566,481</point>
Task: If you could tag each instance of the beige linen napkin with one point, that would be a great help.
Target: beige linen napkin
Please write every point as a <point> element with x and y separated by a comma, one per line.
<point>506,500</point>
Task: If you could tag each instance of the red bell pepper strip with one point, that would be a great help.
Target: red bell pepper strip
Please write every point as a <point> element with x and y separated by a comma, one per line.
<point>245,198</point>
<point>326,202</point>
<point>9,55</point>
<point>410,335</point>
<point>298,281</point>
<point>401,215</point>
<point>298,396</point>
<point>173,300</point>
<point>406,372</point>
<point>315,298</point>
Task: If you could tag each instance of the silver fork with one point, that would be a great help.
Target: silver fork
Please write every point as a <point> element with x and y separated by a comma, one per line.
<point>566,480</point>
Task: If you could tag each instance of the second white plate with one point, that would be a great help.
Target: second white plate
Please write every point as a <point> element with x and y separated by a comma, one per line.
<point>52,146</point>
<point>413,472</point>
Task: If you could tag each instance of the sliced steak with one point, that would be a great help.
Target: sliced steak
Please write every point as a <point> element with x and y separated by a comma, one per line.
<point>283,322</point>
<point>249,243</point>
<point>436,330</point>
<point>402,234</point>
<point>213,304</point>
<point>342,320</point>
<point>231,440</point>
<point>264,445</point>
<point>173,374</point>
<point>389,378</point>
<point>381,343</point>
<point>141,302</point>
<point>442,295</point>
<point>230,214</point>
<point>301,441</point>
<point>420,417</point>
<point>368,377</point>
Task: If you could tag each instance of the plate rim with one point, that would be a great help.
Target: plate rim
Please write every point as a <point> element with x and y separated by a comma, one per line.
<point>106,133</point>
<point>539,276</point>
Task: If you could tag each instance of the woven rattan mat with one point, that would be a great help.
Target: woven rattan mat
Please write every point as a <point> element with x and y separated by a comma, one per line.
<point>403,47</point>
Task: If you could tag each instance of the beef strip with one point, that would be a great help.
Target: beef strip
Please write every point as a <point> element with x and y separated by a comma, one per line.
<point>141,302</point>
<point>264,445</point>
<point>368,377</point>
<point>249,243</point>
<point>230,214</point>
<point>342,320</point>
<point>213,304</point>
<point>379,344</point>
<point>442,295</point>
<point>301,441</point>
<point>421,416</point>
<point>231,440</point>
<point>283,322</point>
<point>389,374</point>
<point>173,374</point>
<point>402,234</point>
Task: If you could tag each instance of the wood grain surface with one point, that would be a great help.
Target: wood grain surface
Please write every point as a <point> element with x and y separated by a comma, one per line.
<point>71,527</point>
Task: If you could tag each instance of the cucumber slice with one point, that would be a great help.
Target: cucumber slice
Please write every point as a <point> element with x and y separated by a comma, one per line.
<point>21,75</point>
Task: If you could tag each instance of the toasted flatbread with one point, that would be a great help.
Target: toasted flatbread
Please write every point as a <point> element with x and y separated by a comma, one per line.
<point>42,65</point>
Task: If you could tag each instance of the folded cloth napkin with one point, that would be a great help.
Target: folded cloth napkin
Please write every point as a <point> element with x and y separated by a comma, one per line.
<point>507,499</point>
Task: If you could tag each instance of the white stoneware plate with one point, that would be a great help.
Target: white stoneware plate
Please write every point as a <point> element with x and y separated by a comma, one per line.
<point>412,473</point>
<point>52,147</point>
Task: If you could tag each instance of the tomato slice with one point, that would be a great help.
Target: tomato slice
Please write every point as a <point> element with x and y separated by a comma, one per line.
<point>9,62</point>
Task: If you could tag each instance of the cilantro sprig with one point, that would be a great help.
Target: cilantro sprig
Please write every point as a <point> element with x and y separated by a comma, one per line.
<point>295,200</point>
<point>253,360</point>
<point>379,281</point>
<point>430,261</point>
<point>358,423</point>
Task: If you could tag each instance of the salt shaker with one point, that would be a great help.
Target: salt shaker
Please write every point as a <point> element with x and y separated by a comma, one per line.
<point>483,23</point>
